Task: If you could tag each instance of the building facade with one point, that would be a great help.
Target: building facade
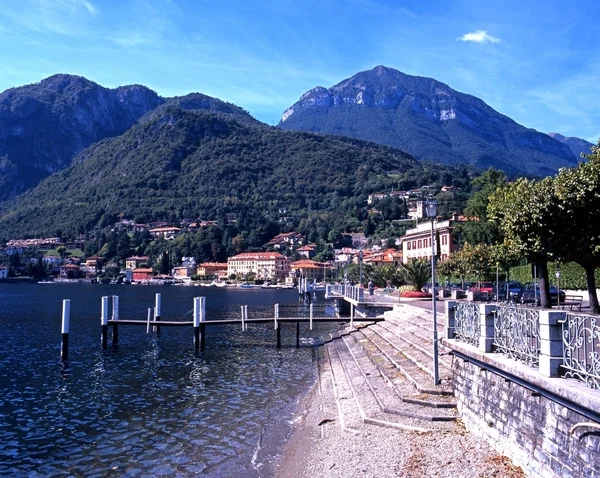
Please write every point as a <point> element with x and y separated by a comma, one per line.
<point>211,269</point>
<point>135,262</point>
<point>264,265</point>
<point>314,271</point>
<point>416,243</point>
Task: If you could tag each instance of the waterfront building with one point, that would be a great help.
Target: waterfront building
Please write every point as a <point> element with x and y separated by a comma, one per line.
<point>264,265</point>
<point>183,272</point>
<point>211,269</point>
<point>310,269</point>
<point>3,272</point>
<point>141,274</point>
<point>70,271</point>
<point>307,251</point>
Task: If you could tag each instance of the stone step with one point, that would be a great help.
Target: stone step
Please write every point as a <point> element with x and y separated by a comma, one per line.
<point>369,408</point>
<point>387,394</point>
<point>420,379</point>
<point>329,413</point>
<point>420,359</point>
<point>417,341</point>
<point>348,414</point>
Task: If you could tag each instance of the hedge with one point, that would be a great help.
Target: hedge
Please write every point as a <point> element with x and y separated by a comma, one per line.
<point>572,275</point>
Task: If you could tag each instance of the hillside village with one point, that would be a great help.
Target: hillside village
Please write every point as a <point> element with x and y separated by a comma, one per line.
<point>283,259</point>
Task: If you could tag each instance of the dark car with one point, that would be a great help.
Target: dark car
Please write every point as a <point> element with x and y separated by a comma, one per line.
<point>530,293</point>
<point>511,289</point>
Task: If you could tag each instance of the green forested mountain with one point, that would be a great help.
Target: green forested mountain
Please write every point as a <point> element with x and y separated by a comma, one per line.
<point>180,163</point>
<point>44,125</point>
<point>428,120</point>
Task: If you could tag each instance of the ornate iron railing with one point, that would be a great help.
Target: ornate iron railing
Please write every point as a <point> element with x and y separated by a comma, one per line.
<point>581,341</point>
<point>467,322</point>
<point>517,333</point>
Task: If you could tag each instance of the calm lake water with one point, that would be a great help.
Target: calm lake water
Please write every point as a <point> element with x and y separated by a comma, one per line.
<point>151,406</point>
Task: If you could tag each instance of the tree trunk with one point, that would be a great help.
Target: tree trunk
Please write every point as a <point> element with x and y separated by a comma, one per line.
<point>542,270</point>
<point>591,285</point>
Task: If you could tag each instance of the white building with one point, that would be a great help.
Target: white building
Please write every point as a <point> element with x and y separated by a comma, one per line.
<point>264,265</point>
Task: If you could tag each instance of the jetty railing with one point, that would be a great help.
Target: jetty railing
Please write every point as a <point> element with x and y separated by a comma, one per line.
<point>348,291</point>
<point>558,343</point>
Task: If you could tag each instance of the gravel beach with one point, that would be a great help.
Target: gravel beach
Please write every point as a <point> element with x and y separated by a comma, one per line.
<point>325,450</point>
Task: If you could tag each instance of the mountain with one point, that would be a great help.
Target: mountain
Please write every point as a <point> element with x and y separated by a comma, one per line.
<point>428,120</point>
<point>577,145</point>
<point>44,125</point>
<point>195,163</point>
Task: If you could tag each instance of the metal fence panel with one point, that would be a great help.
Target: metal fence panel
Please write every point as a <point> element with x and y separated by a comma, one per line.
<point>467,322</point>
<point>581,356</point>
<point>517,333</point>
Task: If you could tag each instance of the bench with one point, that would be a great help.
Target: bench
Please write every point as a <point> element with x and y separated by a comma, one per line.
<point>572,301</point>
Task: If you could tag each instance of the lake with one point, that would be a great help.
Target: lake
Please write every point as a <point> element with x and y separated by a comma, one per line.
<point>150,406</point>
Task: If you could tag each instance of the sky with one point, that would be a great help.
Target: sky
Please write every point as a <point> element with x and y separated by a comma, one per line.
<point>537,62</point>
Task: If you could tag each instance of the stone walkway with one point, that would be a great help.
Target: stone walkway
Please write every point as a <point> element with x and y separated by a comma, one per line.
<point>376,412</point>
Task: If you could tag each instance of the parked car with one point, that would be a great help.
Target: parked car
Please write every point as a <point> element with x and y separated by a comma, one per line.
<point>487,287</point>
<point>511,289</point>
<point>530,293</point>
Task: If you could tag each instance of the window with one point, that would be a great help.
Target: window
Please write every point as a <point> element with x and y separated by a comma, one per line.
<point>414,244</point>
<point>408,244</point>
<point>420,244</point>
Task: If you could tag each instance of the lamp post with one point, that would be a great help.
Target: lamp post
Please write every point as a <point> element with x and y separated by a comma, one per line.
<point>431,208</point>
<point>360,259</point>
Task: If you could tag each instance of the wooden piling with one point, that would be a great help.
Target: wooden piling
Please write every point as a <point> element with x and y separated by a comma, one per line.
<point>104,321</point>
<point>157,313</point>
<point>197,322</point>
<point>66,318</point>
<point>149,319</point>
<point>242,310</point>
<point>202,319</point>
<point>277,328</point>
<point>311,316</point>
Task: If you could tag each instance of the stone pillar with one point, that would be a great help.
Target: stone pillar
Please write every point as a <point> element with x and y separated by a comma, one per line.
<point>486,318</point>
<point>551,344</point>
<point>450,324</point>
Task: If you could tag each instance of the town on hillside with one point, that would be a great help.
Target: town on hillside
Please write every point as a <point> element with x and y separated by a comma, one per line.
<point>151,253</point>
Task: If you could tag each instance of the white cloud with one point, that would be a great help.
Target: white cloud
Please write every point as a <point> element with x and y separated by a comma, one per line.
<point>479,36</point>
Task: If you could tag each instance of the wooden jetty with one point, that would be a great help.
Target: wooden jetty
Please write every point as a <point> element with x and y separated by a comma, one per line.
<point>199,323</point>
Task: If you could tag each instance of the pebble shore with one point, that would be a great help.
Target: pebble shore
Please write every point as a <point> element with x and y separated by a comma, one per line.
<point>321,448</point>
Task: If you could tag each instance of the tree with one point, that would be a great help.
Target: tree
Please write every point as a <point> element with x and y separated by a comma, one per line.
<point>578,190</point>
<point>527,213</point>
<point>478,230</point>
<point>416,272</point>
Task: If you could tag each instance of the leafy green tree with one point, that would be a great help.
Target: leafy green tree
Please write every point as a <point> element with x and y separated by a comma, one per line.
<point>527,213</point>
<point>478,230</point>
<point>578,190</point>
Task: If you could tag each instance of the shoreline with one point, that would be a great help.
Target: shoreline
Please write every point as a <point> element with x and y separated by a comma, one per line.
<point>319,447</point>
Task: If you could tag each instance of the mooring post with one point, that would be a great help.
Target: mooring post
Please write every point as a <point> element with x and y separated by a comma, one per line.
<point>115,316</point>
<point>115,305</point>
<point>149,319</point>
<point>197,322</point>
<point>297,335</point>
<point>66,317</point>
<point>277,328</point>
<point>242,307</point>
<point>202,325</point>
<point>157,313</point>
<point>246,315</point>
<point>311,315</point>
<point>104,321</point>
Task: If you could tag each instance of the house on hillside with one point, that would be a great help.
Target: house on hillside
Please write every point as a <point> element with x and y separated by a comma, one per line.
<point>164,232</point>
<point>135,262</point>
<point>308,251</point>
<point>287,240</point>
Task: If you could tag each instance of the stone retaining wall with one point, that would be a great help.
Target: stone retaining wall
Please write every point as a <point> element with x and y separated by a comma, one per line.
<point>530,429</point>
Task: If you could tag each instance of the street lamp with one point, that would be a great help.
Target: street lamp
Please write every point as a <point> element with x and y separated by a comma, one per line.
<point>431,208</point>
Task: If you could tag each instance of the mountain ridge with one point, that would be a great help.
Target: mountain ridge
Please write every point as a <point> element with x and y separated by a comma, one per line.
<point>578,146</point>
<point>427,119</point>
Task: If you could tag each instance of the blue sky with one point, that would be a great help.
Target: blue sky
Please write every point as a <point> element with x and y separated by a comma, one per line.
<point>535,61</point>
